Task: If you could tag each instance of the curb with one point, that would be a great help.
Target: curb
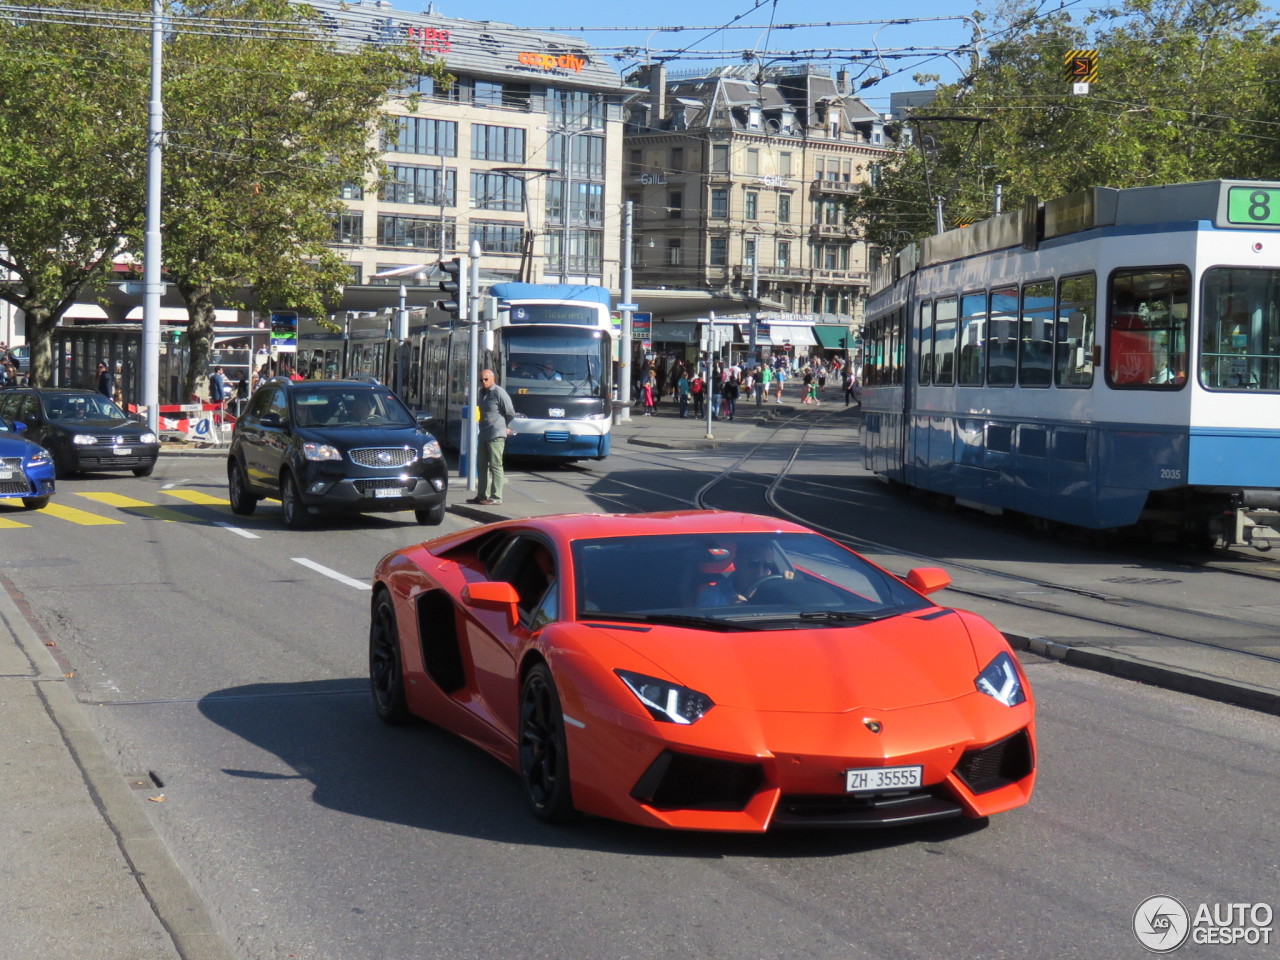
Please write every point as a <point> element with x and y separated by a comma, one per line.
<point>1235,692</point>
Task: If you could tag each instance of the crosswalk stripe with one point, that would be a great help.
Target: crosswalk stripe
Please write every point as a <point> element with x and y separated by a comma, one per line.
<point>82,517</point>
<point>7,524</point>
<point>139,507</point>
<point>195,496</point>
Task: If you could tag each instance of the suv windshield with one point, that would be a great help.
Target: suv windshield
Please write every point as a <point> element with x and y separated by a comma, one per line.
<point>355,406</point>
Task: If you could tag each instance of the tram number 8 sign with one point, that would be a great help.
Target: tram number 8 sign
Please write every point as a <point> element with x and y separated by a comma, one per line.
<point>1253,206</point>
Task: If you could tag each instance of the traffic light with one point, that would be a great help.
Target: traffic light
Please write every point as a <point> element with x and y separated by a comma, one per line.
<point>455,285</point>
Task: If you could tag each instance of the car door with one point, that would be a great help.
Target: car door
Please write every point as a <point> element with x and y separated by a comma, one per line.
<point>528,564</point>
<point>256,438</point>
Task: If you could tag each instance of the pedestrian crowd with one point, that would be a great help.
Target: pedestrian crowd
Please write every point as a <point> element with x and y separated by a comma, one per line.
<point>730,384</point>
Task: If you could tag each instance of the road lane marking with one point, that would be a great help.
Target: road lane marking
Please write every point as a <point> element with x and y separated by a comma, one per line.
<point>239,531</point>
<point>334,574</point>
<point>82,517</point>
<point>140,507</point>
<point>7,524</point>
<point>195,496</point>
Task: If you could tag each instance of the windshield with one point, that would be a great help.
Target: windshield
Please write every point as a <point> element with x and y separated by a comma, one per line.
<point>81,406</point>
<point>556,362</point>
<point>354,407</point>
<point>752,581</point>
<point>1240,329</point>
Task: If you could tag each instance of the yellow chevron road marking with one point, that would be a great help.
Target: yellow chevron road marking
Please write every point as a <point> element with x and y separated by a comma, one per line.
<point>140,508</point>
<point>195,496</point>
<point>82,517</point>
<point>7,524</point>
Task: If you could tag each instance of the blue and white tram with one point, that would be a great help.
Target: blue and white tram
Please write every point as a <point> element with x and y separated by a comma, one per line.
<point>552,348</point>
<point>1104,360</point>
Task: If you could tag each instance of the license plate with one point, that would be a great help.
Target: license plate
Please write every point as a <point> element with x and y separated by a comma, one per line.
<point>123,451</point>
<point>388,492</point>
<point>6,474</point>
<point>883,778</point>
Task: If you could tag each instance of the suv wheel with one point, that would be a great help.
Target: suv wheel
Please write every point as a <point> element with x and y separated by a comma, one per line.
<point>242,502</point>
<point>432,516</point>
<point>295,512</point>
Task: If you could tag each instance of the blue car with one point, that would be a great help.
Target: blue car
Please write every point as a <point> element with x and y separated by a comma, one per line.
<point>26,468</point>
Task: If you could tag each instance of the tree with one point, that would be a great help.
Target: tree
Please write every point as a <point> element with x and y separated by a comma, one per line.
<point>73,101</point>
<point>252,184</point>
<point>1181,95</point>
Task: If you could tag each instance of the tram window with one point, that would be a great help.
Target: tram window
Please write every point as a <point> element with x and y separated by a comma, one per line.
<point>1035,334</point>
<point>898,336</point>
<point>972,340</point>
<point>1076,324</point>
<point>925,372</point>
<point>1147,328</point>
<point>1240,329</point>
<point>1002,337</point>
<point>944,340</point>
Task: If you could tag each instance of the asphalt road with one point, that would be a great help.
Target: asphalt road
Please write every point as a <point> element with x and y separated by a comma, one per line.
<point>227,667</point>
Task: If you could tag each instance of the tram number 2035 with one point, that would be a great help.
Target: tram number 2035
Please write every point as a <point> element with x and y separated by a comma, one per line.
<point>1168,474</point>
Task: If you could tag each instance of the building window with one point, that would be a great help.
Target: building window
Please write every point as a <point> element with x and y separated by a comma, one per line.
<point>635,164</point>
<point>585,155</point>
<point>720,158</point>
<point>675,205</point>
<point>438,138</point>
<point>784,208</point>
<point>673,253</point>
<point>677,159</point>
<point>352,191</point>
<point>588,202</point>
<point>585,253</point>
<point>753,162</point>
<point>497,191</point>
<point>575,108</point>
<point>489,142</point>
<point>719,252</point>
<point>406,183</point>
<point>417,232</point>
<point>784,164</point>
<point>514,96</point>
<point>349,229</point>
<point>497,237</point>
<point>719,203</point>
<point>753,205</point>
<point>784,254</point>
<point>749,252</point>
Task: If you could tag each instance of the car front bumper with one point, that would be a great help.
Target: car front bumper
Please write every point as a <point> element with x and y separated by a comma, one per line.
<point>420,488</point>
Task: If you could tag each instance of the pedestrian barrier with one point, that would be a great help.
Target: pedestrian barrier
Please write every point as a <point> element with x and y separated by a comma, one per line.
<point>204,423</point>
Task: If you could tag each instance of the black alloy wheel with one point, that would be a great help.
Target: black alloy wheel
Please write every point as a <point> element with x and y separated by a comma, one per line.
<point>295,512</point>
<point>34,503</point>
<point>386,671</point>
<point>242,502</point>
<point>145,471</point>
<point>544,755</point>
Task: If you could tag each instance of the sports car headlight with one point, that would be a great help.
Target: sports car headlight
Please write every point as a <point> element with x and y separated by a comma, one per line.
<point>40,459</point>
<point>999,680</point>
<point>84,438</point>
<point>431,450</point>
<point>666,701</point>
<point>320,451</point>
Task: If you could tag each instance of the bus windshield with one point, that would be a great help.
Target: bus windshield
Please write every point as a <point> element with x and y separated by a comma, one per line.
<point>556,361</point>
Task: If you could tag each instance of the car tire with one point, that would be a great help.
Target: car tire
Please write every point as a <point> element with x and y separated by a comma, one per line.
<point>432,516</point>
<point>291,506</point>
<point>145,471</point>
<point>61,469</point>
<point>386,669</point>
<point>34,503</point>
<point>243,503</point>
<point>544,754</point>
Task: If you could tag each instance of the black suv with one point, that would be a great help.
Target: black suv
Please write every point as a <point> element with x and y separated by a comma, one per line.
<point>334,445</point>
<point>82,429</point>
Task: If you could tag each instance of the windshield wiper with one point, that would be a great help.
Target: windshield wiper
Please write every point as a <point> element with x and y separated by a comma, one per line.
<point>666,619</point>
<point>843,615</point>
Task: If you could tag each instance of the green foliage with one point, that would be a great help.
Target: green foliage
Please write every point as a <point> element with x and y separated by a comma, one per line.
<point>1183,93</point>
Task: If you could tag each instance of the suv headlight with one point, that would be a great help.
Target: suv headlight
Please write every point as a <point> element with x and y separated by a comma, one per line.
<point>666,701</point>
<point>320,451</point>
<point>431,450</point>
<point>999,680</point>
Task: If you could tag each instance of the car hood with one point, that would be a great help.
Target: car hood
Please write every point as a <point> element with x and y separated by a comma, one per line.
<point>99,425</point>
<point>16,446</point>
<point>901,662</point>
<point>347,437</point>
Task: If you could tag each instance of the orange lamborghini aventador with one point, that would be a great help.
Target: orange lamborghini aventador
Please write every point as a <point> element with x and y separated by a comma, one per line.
<point>703,670</point>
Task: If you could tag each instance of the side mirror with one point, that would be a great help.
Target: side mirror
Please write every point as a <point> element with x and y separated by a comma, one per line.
<point>19,426</point>
<point>928,580</point>
<point>494,595</point>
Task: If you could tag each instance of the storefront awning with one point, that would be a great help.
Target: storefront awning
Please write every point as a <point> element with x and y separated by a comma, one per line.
<point>830,336</point>
<point>780,335</point>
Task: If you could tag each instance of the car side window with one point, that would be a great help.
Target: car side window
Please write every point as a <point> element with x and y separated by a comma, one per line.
<point>258,406</point>
<point>279,404</point>
<point>8,405</point>
<point>29,410</point>
<point>530,567</point>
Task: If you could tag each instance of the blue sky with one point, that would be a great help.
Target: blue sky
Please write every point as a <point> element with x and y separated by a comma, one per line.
<point>906,47</point>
